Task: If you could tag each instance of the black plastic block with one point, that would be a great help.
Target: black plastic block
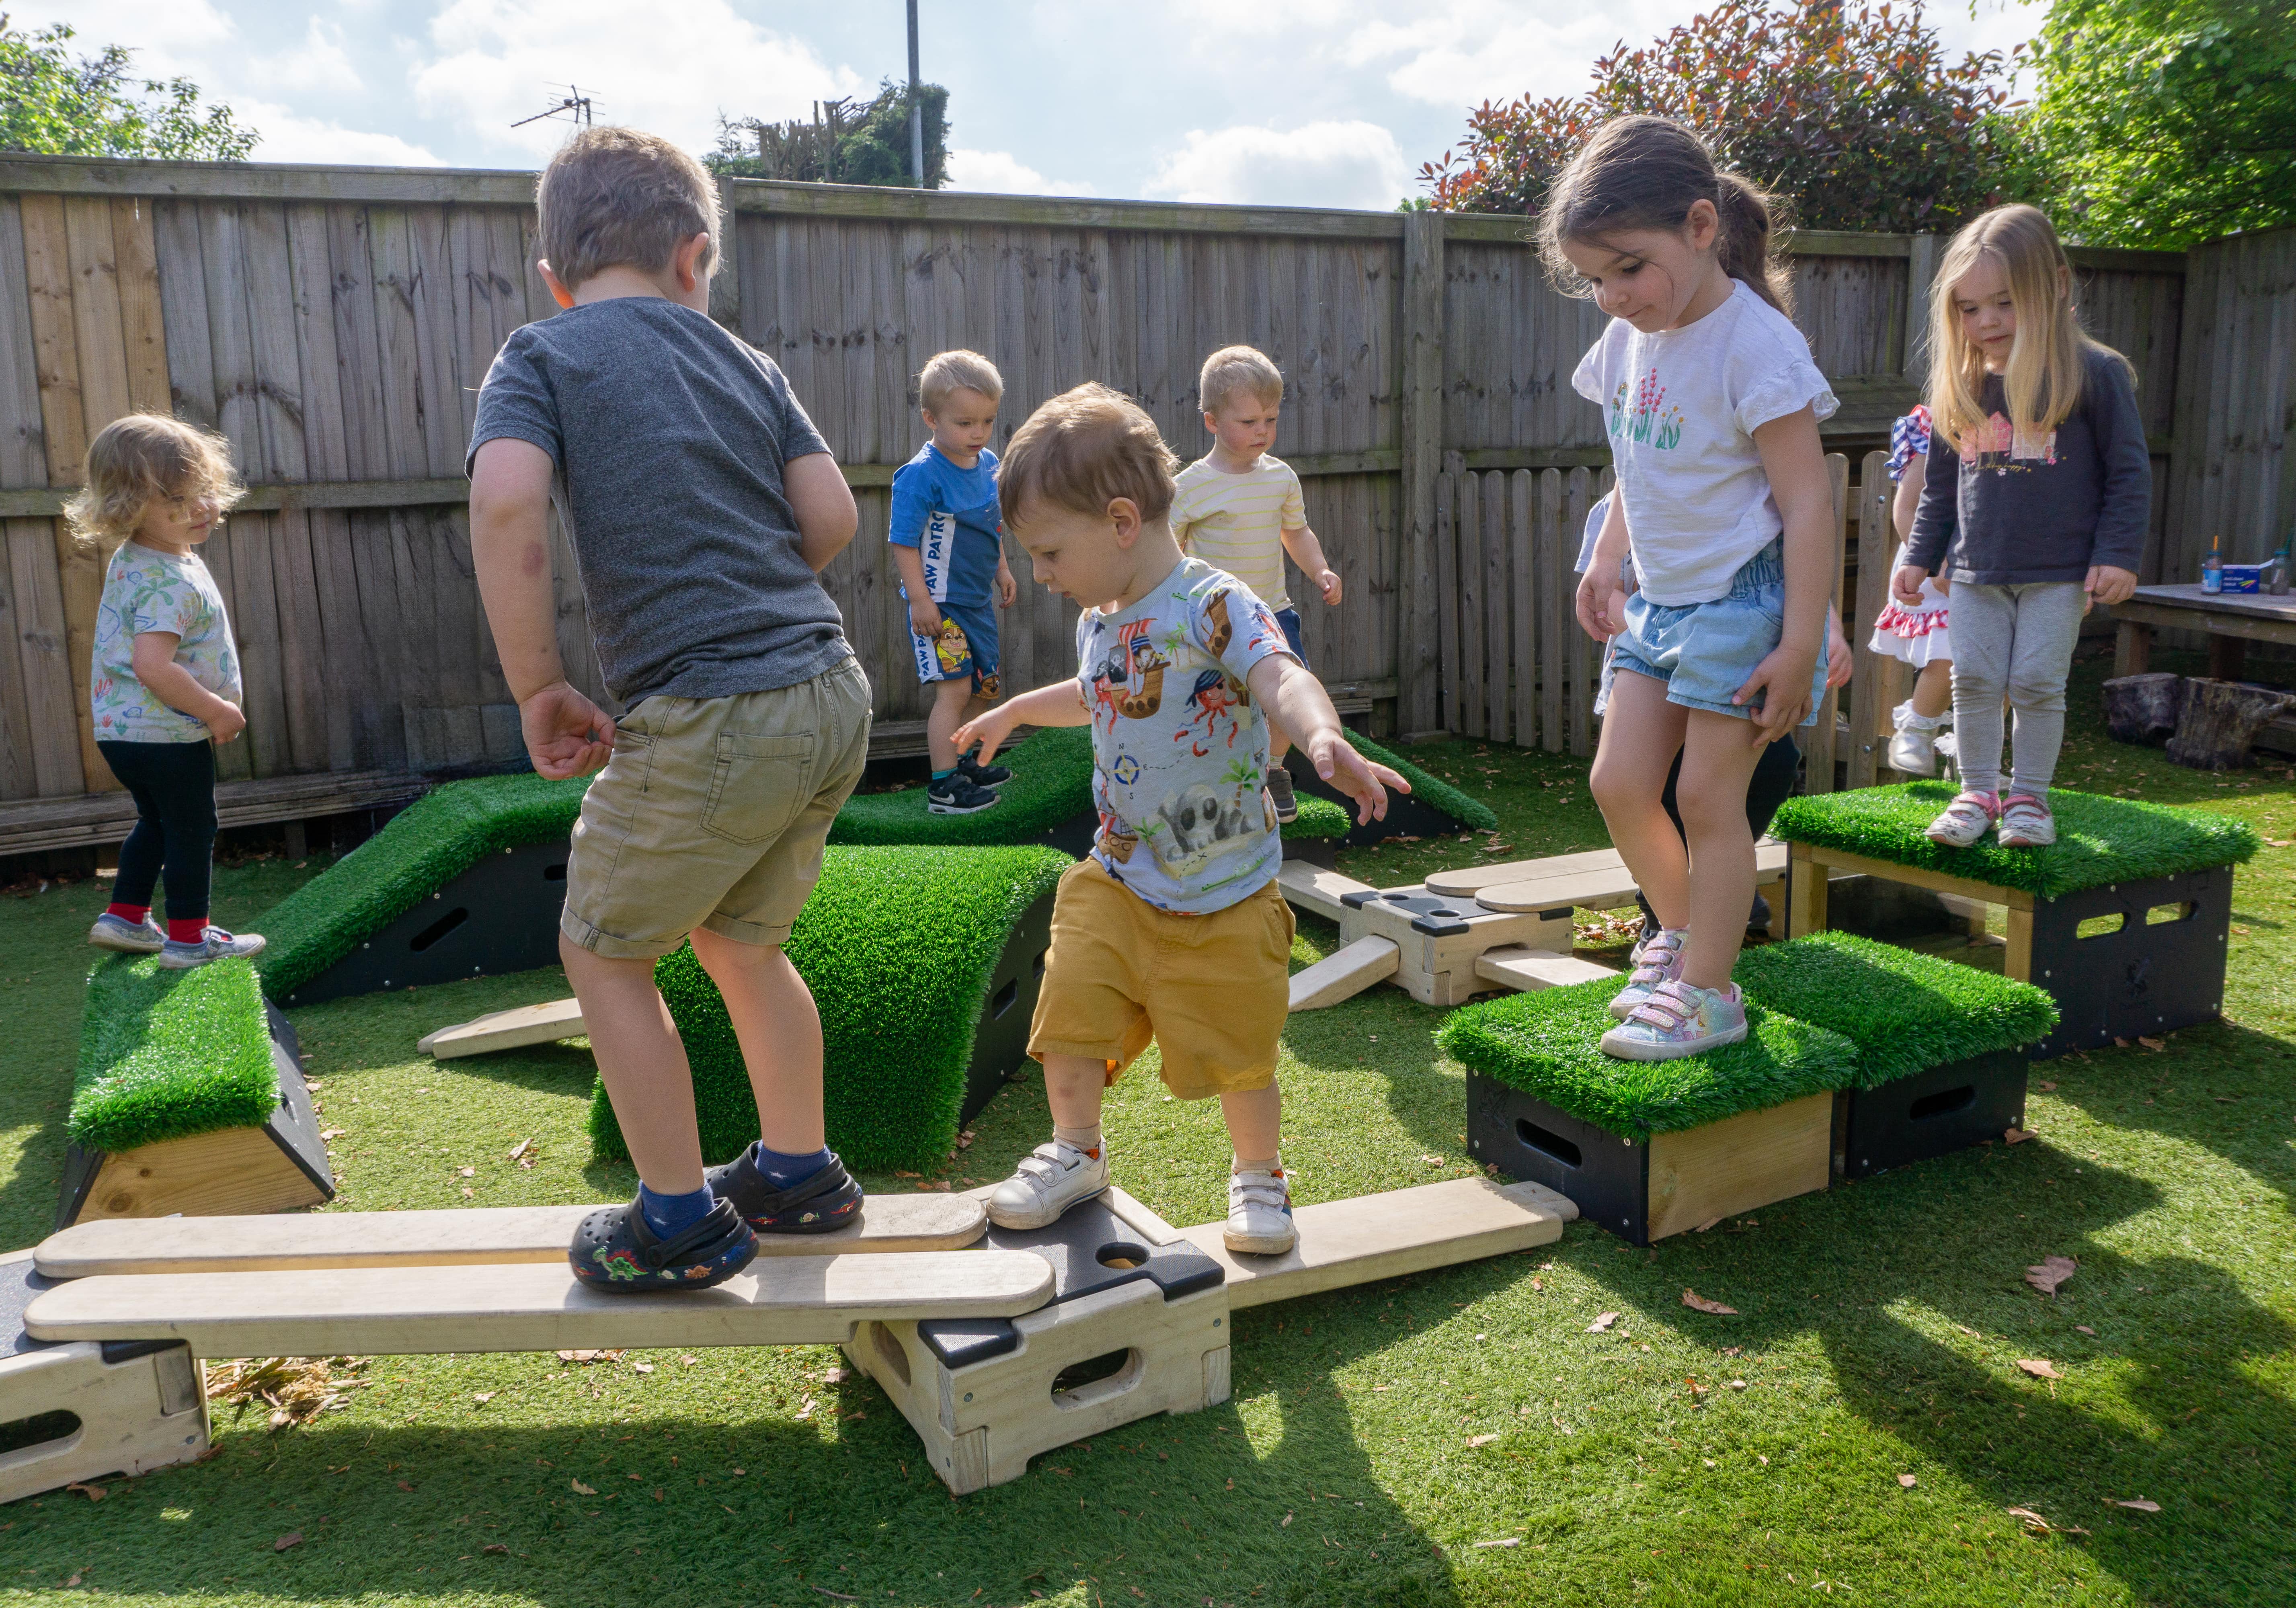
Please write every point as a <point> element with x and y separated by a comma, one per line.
<point>499,916</point>
<point>1439,915</point>
<point>1606,1175</point>
<point>2140,976</point>
<point>1000,1043</point>
<point>1929,1113</point>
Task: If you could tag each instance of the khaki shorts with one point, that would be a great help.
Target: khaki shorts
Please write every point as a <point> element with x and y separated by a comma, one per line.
<point>1211,990</point>
<point>713,813</point>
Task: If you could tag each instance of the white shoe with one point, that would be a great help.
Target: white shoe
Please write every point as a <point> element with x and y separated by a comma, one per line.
<point>1048,1181</point>
<point>2026,822</point>
<point>1658,959</point>
<point>117,932</point>
<point>215,944</point>
<point>1260,1213</point>
<point>1965,820</point>
<point>1913,749</point>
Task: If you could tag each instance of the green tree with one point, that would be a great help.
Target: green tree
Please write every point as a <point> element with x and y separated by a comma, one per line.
<point>1858,118</point>
<point>843,144</point>
<point>92,106</point>
<point>2166,122</point>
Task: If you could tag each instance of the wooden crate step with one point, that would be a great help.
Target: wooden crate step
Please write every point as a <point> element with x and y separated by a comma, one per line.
<point>399,1311</point>
<point>1525,969</point>
<point>438,1239</point>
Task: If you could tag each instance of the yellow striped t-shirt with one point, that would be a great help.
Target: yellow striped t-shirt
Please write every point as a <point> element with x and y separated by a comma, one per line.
<point>1236,521</point>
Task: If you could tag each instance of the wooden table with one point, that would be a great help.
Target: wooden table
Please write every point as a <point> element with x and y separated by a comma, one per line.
<point>2231,620</point>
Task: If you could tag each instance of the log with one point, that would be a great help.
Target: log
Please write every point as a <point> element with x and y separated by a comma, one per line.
<point>2143,709</point>
<point>2220,720</point>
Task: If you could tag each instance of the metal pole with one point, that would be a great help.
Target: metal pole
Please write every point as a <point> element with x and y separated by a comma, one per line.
<point>916,110</point>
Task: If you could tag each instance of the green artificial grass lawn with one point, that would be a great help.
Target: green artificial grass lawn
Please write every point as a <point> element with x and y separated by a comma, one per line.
<point>2100,840</point>
<point>1905,1012</point>
<point>1879,1331</point>
<point>167,1055</point>
<point>1548,1045</point>
<point>435,840</point>
<point>898,946</point>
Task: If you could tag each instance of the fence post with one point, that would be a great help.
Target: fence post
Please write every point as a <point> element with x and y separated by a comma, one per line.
<point>725,284</point>
<point>1417,646</point>
<point>1914,350</point>
<point>1869,689</point>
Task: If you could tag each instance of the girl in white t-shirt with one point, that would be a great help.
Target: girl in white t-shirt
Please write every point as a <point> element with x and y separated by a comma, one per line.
<point>1712,405</point>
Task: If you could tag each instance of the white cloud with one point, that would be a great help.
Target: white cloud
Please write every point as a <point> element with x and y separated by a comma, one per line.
<point>670,72</point>
<point>288,136</point>
<point>318,65</point>
<point>1001,173</point>
<point>1321,164</point>
<point>164,34</point>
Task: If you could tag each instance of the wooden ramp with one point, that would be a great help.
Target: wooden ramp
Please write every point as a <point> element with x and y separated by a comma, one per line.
<point>436,1239</point>
<point>1377,1236</point>
<point>1590,882</point>
<point>399,1311</point>
<point>509,1029</point>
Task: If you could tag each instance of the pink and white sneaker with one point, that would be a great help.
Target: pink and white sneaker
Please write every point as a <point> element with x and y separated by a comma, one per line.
<point>1658,959</point>
<point>2026,821</point>
<point>1965,820</point>
<point>1679,1019</point>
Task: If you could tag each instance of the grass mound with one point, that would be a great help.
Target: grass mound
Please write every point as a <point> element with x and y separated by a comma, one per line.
<point>1547,1044</point>
<point>1429,789</point>
<point>167,1055</point>
<point>898,945</point>
<point>434,840</point>
<point>2099,840</point>
<point>1905,1012</point>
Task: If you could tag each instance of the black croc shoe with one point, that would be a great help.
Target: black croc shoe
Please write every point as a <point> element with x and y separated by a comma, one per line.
<point>615,1249</point>
<point>827,1201</point>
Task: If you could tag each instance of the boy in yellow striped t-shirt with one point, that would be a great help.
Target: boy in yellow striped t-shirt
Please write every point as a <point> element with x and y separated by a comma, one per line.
<point>1240,510</point>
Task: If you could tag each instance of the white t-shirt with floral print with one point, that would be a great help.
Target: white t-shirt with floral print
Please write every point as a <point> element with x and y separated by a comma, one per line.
<point>147,590</point>
<point>1178,748</point>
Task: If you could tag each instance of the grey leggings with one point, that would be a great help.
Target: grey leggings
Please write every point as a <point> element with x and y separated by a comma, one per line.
<point>2018,641</point>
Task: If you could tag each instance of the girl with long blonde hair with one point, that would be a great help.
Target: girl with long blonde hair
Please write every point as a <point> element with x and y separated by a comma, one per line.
<point>2034,503</point>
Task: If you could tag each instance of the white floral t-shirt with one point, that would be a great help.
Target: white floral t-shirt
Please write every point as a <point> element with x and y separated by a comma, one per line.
<point>147,590</point>
<point>1178,748</point>
<point>1681,407</point>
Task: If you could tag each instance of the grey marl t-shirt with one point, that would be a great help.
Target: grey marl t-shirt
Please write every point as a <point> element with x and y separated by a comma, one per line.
<point>669,434</point>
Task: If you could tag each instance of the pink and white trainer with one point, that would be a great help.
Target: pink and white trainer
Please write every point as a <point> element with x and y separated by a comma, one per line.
<point>1658,959</point>
<point>1679,1019</point>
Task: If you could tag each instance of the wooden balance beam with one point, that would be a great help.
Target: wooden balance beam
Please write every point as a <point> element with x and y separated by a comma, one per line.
<point>1427,945</point>
<point>1595,880</point>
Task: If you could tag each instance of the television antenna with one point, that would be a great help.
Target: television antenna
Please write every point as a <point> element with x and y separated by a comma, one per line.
<point>573,106</point>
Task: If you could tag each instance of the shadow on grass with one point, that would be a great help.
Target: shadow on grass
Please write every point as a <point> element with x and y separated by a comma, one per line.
<point>2221,1087</point>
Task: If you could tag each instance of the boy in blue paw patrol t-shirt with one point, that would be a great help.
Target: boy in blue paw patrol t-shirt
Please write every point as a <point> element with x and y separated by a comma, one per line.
<point>948,539</point>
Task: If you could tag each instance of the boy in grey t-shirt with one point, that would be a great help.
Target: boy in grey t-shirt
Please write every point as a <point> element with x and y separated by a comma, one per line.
<point>702,506</point>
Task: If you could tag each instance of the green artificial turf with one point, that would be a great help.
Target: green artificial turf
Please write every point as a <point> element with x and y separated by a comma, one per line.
<point>167,1055</point>
<point>2099,840</point>
<point>898,945</point>
<point>1428,788</point>
<point>1905,1012</point>
<point>1548,1045</point>
<point>434,840</point>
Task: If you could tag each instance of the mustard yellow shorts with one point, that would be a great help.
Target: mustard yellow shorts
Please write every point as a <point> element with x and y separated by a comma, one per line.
<point>713,813</point>
<point>1211,990</point>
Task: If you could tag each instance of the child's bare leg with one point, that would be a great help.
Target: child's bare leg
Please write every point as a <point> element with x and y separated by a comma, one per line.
<point>779,1028</point>
<point>1074,1167</point>
<point>1254,1124</point>
<point>1933,689</point>
<point>1641,734</point>
<point>642,1062</point>
<point>946,714</point>
<point>1278,743</point>
<point>1718,762</point>
<point>1073,1086</point>
<point>1259,1198</point>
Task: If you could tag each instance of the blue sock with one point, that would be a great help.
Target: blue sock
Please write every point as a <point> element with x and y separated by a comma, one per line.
<point>943,776</point>
<point>783,1170</point>
<point>671,1215</point>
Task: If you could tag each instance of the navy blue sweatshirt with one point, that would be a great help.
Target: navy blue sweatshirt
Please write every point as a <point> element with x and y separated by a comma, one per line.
<point>2011,510</point>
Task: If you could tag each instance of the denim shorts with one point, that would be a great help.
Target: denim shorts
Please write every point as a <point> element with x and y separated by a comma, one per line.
<point>1289,621</point>
<point>1705,652</point>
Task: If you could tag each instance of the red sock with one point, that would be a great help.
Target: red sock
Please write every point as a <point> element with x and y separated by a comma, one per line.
<point>190,930</point>
<point>133,915</point>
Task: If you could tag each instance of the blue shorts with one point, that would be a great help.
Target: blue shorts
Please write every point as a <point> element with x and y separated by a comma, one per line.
<point>1288,619</point>
<point>1705,652</point>
<point>966,646</point>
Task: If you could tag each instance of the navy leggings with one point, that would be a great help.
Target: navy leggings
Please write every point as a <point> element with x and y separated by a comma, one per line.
<point>173,784</point>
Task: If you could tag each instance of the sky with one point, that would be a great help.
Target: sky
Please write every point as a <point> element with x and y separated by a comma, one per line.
<point>1299,103</point>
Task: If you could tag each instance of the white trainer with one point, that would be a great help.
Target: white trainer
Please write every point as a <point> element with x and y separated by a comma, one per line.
<point>1657,959</point>
<point>2026,822</point>
<point>1965,820</point>
<point>215,944</point>
<point>1260,1213</point>
<point>1048,1181</point>
<point>129,938</point>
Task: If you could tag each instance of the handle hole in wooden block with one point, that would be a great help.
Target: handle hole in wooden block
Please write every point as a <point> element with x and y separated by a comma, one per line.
<point>1942,1103</point>
<point>1547,1142</point>
<point>2102,926</point>
<point>889,1352</point>
<point>1096,1378</point>
<point>39,1431</point>
<point>438,929</point>
<point>553,874</point>
<point>1006,996</point>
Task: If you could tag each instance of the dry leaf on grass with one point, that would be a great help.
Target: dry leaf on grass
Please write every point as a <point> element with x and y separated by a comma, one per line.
<point>1737,1385</point>
<point>93,1493</point>
<point>2051,1272</point>
<point>2040,1526</point>
<point>2046,1087</point>
<point>495,1546</point>
<point>1287,1522</point>
<point>483,1395</point>
<point>1699,1303</point>
<point>2039,1367</point>
<point>2278,843</point>
<point>1907,1480</point>
<point>581,1489</point>
<point>2151,1044</point>
<point>1703,1226</point>
<point>2015,1136</point>
<point>334,1133</point>
<point>2140,1504</point>
<point>296,1389</point>
<point>805,1411</point>
<point>518,1149</point>
<point>587,1357</point>
<point>2085,1329</point>
<point>642,1367</point>
<point>1474,1440</point>
<point>1602,1321</point>
<point>294,1537</point>
<point>1503,1541</point>
<point>1432,1160</point>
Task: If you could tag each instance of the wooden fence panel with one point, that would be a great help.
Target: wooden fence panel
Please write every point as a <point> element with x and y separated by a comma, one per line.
<point>2233,473</point>
<point>1875,546</point>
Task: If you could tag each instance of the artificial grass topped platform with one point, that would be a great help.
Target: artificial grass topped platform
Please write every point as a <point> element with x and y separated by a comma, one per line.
<point>1429,790</point>
<point>1905,1012</point>
<point>2099,840</point>
<point>898,945</point>
<point>168,1055</point>
<point>1548,1045</point>
<point>433,841</point>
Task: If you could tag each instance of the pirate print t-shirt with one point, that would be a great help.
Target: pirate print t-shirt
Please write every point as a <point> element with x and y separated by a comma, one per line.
<point>1681,407</point>
<point>1177,747</point>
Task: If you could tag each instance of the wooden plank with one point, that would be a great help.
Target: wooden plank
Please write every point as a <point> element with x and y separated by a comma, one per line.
<point>1552,549</point>
<point>75,820</point>
<point>18,778</point>
<point>1377,1236</point>
<point>1599,886</point>
<point>1843,863</point>
<point>1420,337</point>
<point>1818,742</point>
<point>143,330</point>
<point>23,450</point>
<point>1522,632</point>
<point>1467,520</point>
<point>1740,1163</point>
<point>1525,971</point>
<point>401,1311</point>
<point>96,328</point>
<point>1317,890</point>
<point>1345,973</point>
<point>1877,545</point>
<point>1445,589</point>
<point>501,1235</point>
<point>1579,674</point>
<point>509,1029</point>
<point>1498,611</point>
<point>184,311</point>
<point>51,697</point>
<point>1468,881</point>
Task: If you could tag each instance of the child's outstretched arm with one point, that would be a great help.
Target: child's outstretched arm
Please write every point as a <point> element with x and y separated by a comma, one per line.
<point>566,735</point>
<point>1062,703</point>
<point>1794,459</point>
<point>1301,706</point>
<point>1308,552</point>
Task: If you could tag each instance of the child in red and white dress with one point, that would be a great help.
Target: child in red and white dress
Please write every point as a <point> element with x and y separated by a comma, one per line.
<point>1916,633</point>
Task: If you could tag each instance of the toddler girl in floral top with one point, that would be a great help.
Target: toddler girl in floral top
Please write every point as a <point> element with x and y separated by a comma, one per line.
<point>165,686</point>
